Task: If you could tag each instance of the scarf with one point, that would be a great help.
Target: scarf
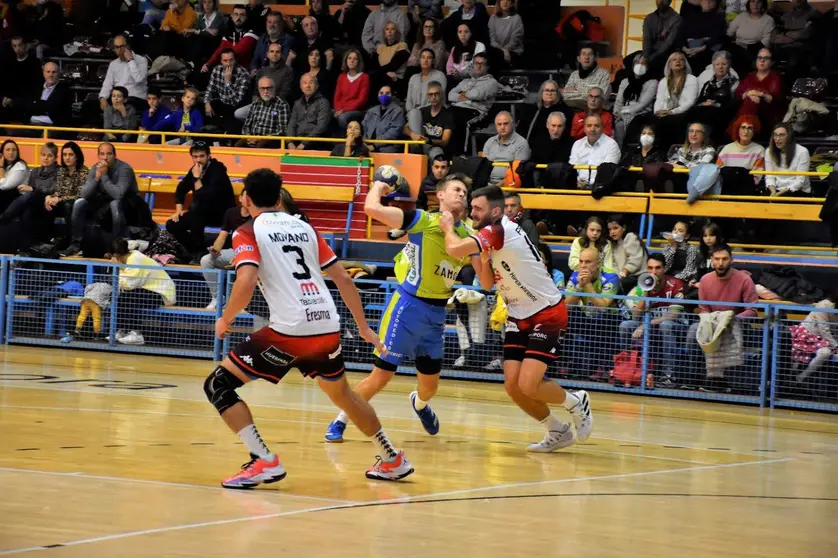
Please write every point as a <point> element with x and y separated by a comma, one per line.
<point>43,178</point>
<point>583,73</point>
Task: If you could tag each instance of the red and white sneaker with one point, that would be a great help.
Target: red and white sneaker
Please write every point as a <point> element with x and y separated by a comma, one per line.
<point>395,469</point>
<point>255,472</point>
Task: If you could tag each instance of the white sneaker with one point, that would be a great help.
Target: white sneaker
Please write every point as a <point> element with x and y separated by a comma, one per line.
<point>213,304</point>
<point>554,440</point>
<point>119,335</point>
<point>582,417</point>
<point>496,364</point>
<point>133,338</point>
<point>395,469</point>
<point>460,362</point>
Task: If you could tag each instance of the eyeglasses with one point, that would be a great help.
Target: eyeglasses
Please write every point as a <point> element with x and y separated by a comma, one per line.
<point>117,47</point>
<point>763,58</point>
<point>550,90</point>
<point>268,88</point>
<point>746,128</point>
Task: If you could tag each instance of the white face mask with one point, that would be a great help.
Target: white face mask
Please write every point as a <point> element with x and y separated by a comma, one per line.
<point>639,70</point>
<point>646,140</point>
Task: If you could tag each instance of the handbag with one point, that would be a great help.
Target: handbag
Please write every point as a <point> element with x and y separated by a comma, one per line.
<point>628,370</point>
<point>813,89</point>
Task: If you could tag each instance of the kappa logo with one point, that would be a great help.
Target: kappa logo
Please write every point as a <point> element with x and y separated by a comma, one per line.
<point>247,359</point>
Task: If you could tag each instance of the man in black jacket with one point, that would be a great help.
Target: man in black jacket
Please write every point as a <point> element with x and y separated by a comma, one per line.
<point>212,196</point>
<point>514,211</point>
<point>50,104</point>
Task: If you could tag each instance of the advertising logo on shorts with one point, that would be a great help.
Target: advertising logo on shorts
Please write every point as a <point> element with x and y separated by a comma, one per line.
<point>309,288</point>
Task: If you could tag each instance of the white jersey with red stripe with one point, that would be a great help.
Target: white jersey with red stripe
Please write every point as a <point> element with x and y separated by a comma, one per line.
<point>521,278</point>
<point>290,256</point>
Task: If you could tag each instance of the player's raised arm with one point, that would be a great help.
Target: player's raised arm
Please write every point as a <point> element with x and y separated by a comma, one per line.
<point>349,294</point>
<point>393,217</point>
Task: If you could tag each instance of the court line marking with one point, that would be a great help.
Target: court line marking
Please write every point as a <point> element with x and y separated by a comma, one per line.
<point>83,475</point>
<point>308,422</point>
<point>405,499</point>
<point>326,409</point>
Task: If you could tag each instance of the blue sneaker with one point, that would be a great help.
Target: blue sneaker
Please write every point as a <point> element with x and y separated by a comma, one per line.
<point>429,421</point>
<point>334,433</point>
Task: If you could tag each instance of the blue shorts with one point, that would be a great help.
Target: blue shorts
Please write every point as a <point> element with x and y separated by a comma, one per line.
<point>412,329</point>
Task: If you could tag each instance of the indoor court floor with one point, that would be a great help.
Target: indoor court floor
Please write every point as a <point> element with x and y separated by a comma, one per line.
<point>108,455</point>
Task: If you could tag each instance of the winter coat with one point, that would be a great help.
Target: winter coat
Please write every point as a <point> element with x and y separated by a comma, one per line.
<point>788,284</point>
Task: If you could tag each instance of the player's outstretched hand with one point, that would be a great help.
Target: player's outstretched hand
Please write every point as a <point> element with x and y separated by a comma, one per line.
<point>368,335</point>
<point>446,221</point>
<point>222,327</point>
<point>383,188</point>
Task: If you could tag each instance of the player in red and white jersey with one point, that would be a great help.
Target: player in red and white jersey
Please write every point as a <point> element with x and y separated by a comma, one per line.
<point>285,256</point>
<point>537,316</point>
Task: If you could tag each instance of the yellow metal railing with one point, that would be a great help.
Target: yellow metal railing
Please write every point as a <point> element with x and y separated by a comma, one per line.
<point>282,139</point>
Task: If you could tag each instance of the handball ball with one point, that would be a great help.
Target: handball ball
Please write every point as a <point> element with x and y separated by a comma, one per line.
<point>387,174</point>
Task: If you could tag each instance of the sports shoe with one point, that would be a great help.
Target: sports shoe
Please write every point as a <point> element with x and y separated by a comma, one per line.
<point>582,418</point>
<point>334,433</point>
<point>554,440</point>
<point>429,421</point>
<point>133,338</point>
<point>460,362</point>
<point>255,472</point>
<point>496,364</point>
<point>213,304</point>
<point>397,468</point>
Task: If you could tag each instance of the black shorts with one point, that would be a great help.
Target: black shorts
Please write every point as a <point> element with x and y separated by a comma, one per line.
<point>539,337</point>
<point>270,355</point>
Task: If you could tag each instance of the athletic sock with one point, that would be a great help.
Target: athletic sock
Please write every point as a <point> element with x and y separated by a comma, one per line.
<point>418,404</point>
<point>552,424</point>
<point>342,417</point>
<point>251,438</point>
<point>570,401</point>
<point>385,446</point>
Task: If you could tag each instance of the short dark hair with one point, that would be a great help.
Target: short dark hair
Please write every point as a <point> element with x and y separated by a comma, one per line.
<point>441,158</point>
<point>119,247</point>
<point>424,50</point>
<point>262,187</point>
<point>507,195</point>
<point>240,7</point>
<point>493,194</point>
<point>482,55</point>
<point>123,90</point>
<point>658,257</point>
<point>724,247</point>
<point>227,51</point>
<point>154,90</point>
<point>74,147</point>
<point>199,147</point>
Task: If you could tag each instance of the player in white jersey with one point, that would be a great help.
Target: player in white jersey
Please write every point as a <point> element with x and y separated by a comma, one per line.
<point>537,316</point>
<point>285,256</point>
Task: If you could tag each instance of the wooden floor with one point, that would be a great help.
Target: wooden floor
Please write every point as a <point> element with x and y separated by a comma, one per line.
<point>108,455</point>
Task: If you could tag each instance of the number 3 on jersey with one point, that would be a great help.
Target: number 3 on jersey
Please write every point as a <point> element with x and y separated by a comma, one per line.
<point>305,272</point>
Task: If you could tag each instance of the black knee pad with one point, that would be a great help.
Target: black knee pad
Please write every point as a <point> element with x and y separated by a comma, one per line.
<point>428,366</point>
<point>220,388</point>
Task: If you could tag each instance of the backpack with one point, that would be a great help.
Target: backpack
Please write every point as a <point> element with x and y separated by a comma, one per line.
<point>478,168</point>
<point>628,370</point>
<point>581,25</point>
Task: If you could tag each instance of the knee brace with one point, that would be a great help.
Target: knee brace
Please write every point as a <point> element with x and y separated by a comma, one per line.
<point>220,388</point>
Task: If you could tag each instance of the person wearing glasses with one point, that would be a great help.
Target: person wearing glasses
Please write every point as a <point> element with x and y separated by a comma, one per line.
<point>129,71</point>
<point>532,119</point>
<point>761,92</point>
<point>595,104</point>
<point>433,124</point>
<point>268,116</point>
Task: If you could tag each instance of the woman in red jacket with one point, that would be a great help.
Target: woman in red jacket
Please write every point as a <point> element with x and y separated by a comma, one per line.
<point>761,93</point>
<point>353,89</point>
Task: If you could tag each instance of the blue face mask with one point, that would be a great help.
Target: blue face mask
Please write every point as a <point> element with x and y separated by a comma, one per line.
<point>384,99</point>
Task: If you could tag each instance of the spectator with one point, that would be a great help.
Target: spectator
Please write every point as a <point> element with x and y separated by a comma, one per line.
<point>785,154</point>
<point>813,343</point>
<point>155,13</point>
<point>319,10</point>
<point>49,104</point>
<point>549,101</point>
<point>128,71</point>
<point>153,115</point>
<point>471,12</point>
<point>428,37</point>
<point>725,285</point>
<point>750,31</point>
<point>681,256</point>
<point>628,251</point>
<point>668,328</point>
<point>257,15</point>
<point>68,184</point>
<point>353,89</point>
<point>590,278</point>
<point>505,147</point>
<point>221,253</point>
<point>716,103</point>
<point>313,40</point>
<point>205,37</point>
<point>120,116</point>
<point>276,69</point>
<point>179,17</point>
<point>212,195</point>
<point>391,54</point>
<point>13,174</point>
<point>514,211</point>
<point>635,97</point>
<point>711,236</point>
<point>111,188</point>
<point>227,90</point>
<point>702,34</point>
<point>275,33</point>
<point>434,124</point>
<point>743,152</point>
<point>417,89</point>
<point>547,258</point>
<point>373,31</point>
<point>695,151</point>
<point>310,115</point>
<point>761,92</point>
<point>506,33</point>
<point>593,236</point>
<point>351,19</point>
<point>554,146</point>
<point>733,8</point>
<point>239,39</point>
<point>595,106</point>
<point>660,31</point>
<point>267,117</point>
<point>827,59</point>
<point>425,9</point>
<point>677,94</point>
<point>143,285</point>
<point>19,73</point>
<point>797,25</point>
<point>472,98</point>
<point>325,83</point>
<point>586,75</point>
<point>594,149</point>
<point>439,170</point>
<point>384,121</point>
<point>354,145</point>
<point>38,185</point>
<point>187,119</point>
<point>461,58</point>
<point>646,152</point>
